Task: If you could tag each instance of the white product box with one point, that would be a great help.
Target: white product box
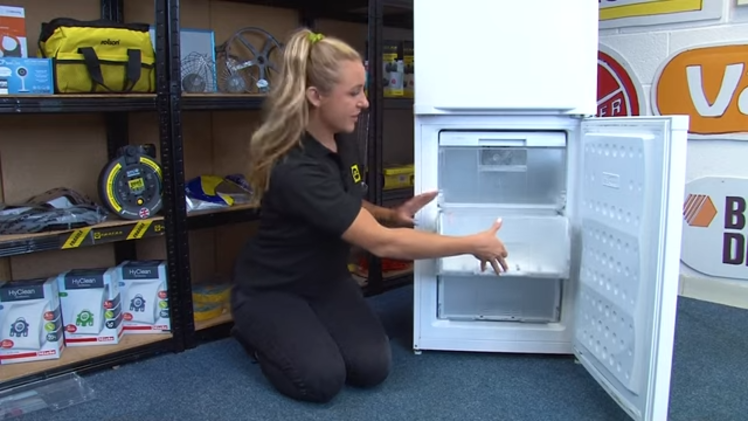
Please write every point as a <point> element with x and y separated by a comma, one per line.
<point>145,296</point>
<point>91,307</point>
<point>30,321</point>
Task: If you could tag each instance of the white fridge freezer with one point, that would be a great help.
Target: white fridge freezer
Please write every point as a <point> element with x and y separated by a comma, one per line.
<point>591,207</point>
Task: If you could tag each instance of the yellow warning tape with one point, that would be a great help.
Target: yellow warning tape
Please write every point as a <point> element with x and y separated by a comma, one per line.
<point>140,229</point>
<point>76,238</point>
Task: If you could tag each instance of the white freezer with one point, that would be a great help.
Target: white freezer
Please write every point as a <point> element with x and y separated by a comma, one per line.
<point>506,55</point>
<point>591,207</point>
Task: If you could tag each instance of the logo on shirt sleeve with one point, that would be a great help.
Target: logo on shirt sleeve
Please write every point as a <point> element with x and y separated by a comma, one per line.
<point>355,173</point>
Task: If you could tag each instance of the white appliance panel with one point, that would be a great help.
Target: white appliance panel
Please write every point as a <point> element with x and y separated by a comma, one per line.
<point>506,56</point>
<point>633,178</point>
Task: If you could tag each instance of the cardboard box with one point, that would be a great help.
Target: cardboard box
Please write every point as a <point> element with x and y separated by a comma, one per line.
<point>13,41</point>
<point>91,307</point>
<point>30,321</point>
<point>143,285</point>
<point>19,76</point>
<point>193,43</point>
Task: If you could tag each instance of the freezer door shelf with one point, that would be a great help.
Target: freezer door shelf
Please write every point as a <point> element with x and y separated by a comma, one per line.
<point>538,245</point>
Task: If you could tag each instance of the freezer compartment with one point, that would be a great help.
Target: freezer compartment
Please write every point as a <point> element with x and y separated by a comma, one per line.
<point>505,298</point>
<point>538,244</point>
<point>509,168</point>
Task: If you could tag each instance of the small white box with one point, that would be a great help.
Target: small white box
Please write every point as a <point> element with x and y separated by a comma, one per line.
<point>91,307</point>
<point>145,296</point>
<point>30,321</point>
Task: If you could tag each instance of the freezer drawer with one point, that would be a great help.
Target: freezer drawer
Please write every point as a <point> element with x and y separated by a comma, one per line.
<point>538,245</point>
<point>503,168</point>
<point>504,298</point>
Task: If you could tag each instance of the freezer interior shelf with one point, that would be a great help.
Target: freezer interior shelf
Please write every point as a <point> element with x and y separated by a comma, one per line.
<point>538,245</point>
<point>496,169</point>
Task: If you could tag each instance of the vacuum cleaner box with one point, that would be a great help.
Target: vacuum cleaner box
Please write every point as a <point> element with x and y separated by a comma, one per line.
<point>30,321</point>
<point>144,290</point>
<point>91,307</point>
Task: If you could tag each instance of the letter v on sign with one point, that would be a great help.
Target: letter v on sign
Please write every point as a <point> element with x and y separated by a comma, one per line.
<point>730,81</point>
<point>707,83</point>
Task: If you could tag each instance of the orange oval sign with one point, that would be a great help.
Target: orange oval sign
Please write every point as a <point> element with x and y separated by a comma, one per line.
<point>710,85</point>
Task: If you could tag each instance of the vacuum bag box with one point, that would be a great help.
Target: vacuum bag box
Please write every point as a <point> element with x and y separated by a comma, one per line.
<point>91,307</point>
<point>30,321</point>
<point>144,291</point>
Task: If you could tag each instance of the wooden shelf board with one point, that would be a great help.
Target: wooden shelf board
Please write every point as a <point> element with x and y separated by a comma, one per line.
<point>76,355</point>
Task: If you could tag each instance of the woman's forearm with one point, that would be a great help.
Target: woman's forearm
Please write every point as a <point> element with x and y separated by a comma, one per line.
<point>384,216</point>
<point>410,244</point>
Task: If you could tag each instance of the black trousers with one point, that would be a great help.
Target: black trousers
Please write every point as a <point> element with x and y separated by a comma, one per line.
<point>310,345</point>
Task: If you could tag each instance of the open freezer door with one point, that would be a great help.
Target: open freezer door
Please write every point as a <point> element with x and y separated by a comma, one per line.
<point>632,186</point>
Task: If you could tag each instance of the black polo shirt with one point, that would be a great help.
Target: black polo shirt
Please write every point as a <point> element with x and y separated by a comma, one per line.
<point>314,196</point>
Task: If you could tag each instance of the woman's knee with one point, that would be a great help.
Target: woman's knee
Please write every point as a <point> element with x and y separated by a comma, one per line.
<point>370,367</point>
<point>324,381</point>
<point>311,381</point>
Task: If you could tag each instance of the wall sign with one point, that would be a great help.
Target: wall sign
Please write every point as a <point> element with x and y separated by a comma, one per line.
<point>715,227</point>
<point>625,13</point>
<point>618,92</point>
<point>707,83</point>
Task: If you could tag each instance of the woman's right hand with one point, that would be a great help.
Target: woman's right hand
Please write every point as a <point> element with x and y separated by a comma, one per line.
<point>489,249</point>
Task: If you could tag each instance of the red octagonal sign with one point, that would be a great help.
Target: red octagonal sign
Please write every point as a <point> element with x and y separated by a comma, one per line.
<point>617,93</point>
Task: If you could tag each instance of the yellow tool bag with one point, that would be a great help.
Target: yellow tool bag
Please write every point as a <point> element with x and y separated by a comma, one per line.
<point>99,56</point>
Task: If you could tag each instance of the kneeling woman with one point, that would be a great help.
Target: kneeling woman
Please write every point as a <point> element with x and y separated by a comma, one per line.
<point>295,306</point>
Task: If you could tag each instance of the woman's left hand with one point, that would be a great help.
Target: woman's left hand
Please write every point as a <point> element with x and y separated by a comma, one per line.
<point>403,214</point>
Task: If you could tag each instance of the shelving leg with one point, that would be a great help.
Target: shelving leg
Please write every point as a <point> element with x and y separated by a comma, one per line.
<point>169,94</point>
<point>376,125</point>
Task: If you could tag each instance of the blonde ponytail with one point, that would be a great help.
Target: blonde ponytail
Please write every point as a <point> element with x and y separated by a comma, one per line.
<point>309,59</point>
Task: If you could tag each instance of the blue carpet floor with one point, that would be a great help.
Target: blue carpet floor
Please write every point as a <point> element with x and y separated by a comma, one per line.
<point>216,381</point>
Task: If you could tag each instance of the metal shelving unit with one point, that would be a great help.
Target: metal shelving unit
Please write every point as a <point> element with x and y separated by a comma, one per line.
<point>58,104</point>
<point>107,232</point>
<point>174,224</point>
<point>115,109</point>
<point>398,103</point>
<point>382,13</point>
<point>203,102</point>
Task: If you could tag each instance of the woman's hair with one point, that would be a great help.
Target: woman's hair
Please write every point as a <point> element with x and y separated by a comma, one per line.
<point>309,59</point>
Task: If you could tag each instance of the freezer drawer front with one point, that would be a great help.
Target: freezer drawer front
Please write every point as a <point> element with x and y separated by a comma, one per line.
<point>506,55</point>
<point>506,299</point>
<point>538,246</point>
<point>503,168</point>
